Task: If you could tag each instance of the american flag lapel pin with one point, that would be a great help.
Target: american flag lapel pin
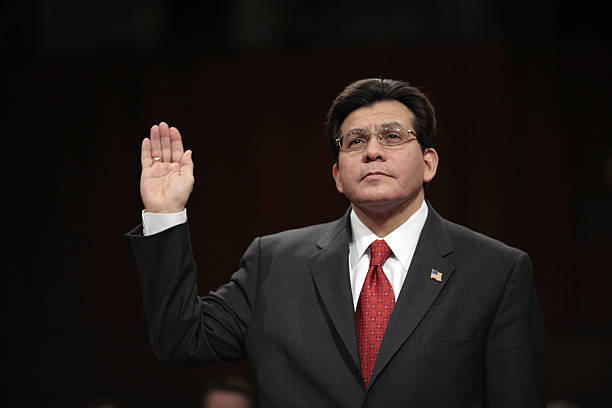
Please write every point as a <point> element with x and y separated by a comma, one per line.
<point>437,275</point>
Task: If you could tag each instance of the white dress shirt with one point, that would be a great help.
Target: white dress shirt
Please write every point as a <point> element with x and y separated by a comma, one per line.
<point>152,223</point>
<point>402,241</point>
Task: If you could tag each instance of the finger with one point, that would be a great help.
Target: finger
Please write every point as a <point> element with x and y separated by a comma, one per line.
<point>164,133</point>
<point>145,153</point>
<point>155,142</point>
<point>176,145</point>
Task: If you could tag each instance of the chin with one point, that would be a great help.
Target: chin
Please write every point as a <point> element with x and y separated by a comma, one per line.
<point>376,201</point>
<point>383,199</point>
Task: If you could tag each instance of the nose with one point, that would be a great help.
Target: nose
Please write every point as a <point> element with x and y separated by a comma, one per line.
<point>374,150</point>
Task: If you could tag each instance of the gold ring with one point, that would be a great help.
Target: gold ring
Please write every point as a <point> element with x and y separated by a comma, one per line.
<point>157,158</point>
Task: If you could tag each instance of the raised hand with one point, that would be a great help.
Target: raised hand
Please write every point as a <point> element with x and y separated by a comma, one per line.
<point>167,179</point>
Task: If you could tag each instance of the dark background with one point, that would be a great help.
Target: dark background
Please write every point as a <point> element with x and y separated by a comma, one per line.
<point>522,92</point>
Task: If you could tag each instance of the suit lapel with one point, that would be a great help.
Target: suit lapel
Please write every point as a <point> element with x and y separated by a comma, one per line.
<point>329,268</point>
<point>419,290</point>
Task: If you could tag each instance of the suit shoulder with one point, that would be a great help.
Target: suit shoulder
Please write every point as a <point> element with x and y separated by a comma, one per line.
<point>298,243</point>
<point>482,258</point>
<point>303,235</point>
<point>467,239</point>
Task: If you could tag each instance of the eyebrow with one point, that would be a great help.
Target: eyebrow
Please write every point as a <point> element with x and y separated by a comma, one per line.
<point>386,124</point>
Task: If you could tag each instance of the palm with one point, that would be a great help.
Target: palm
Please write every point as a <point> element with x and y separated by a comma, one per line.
<point>165,184</point>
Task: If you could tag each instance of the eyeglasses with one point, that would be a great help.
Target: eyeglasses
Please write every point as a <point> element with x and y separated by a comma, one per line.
<point>388,136</point>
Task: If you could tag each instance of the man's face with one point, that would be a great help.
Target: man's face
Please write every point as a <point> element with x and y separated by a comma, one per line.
<point>378,177</point>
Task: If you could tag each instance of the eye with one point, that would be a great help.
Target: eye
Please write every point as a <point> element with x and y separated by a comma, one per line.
<point>391,136</point>
<point>355,141</point>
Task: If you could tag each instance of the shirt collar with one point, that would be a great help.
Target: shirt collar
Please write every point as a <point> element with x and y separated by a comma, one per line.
<point>402,240</point>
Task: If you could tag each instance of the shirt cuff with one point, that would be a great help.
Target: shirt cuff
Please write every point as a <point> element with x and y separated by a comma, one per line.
<point>153,223</point>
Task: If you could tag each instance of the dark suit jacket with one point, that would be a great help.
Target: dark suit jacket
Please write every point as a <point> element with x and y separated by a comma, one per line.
<point>473,340</point>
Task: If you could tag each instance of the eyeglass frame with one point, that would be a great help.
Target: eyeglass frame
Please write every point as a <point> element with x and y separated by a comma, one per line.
<point>377,133</point>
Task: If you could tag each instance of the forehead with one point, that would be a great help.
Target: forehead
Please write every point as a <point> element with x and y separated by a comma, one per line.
<point>370,117</point>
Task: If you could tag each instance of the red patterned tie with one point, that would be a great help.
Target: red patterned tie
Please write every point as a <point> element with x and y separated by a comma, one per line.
<point>374,308</point>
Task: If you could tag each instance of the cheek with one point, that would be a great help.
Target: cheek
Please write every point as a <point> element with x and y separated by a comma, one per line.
<point>346,172</point>
<point>414,170</point>
<point>340,177</point>
<point>344,181</point>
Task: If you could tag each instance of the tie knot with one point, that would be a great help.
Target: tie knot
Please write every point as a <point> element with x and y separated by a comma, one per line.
<point>379,252</point>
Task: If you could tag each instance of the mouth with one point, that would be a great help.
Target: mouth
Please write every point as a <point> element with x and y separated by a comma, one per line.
<point>375,174</point>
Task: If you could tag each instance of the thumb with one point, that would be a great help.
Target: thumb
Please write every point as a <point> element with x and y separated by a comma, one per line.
<point>186,161</point>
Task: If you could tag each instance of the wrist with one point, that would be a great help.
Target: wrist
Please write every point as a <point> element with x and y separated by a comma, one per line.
<point>164,210</point>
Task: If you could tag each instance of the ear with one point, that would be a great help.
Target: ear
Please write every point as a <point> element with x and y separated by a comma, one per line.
<point>430,164</point>
<point>336,176</point>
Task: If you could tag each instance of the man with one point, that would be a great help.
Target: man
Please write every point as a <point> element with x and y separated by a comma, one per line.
<point>389,306</point>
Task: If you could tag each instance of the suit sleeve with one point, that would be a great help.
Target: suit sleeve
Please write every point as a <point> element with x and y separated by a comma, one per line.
<point>515,368</point>
<point>182,325</point>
